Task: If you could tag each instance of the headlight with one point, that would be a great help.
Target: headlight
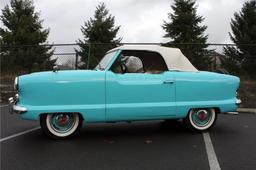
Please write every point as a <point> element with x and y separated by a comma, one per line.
<point>16,85</point>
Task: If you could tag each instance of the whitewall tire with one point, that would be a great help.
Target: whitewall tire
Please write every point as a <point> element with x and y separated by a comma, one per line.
<point>201,119</point>
<point>60,125</point>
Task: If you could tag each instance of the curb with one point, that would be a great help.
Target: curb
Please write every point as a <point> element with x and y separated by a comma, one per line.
<point>246,110</point>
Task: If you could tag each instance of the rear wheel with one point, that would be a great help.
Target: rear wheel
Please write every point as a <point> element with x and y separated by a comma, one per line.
<point>200,119</point>
<point>60,125</point>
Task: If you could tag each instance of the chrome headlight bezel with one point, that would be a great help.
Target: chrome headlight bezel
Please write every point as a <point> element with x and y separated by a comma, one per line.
<point>16,84</point>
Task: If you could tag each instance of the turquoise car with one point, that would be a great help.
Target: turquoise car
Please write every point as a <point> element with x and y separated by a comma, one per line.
<point>130,83</point>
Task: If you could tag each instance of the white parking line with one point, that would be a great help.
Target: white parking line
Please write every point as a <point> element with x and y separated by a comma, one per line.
<point>18,134</point>
<point>212,158</point>
<point>3,106</point>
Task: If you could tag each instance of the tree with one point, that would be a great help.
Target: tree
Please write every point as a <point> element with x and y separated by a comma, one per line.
<point>186,33</point>
<point>99,36</point>
<point>243,26</point>
<point>22,38</point>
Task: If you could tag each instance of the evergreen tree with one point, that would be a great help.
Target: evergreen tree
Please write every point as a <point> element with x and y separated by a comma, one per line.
<point>186,33</point>
<point>21,38</point>
<point>97,30</point>
<point>243,26</point>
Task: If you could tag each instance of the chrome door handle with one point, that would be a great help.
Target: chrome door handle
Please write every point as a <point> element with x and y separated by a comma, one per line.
<point>168,81</point>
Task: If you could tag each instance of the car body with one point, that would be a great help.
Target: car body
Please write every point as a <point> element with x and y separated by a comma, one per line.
<point>172,89</point>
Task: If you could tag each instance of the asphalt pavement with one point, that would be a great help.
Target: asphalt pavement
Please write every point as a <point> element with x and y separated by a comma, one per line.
<point>138,145</point>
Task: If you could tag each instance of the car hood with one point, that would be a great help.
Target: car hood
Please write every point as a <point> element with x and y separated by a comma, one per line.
<point>59,76</point>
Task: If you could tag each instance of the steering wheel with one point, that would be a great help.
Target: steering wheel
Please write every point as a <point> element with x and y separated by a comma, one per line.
<point>123,68</point>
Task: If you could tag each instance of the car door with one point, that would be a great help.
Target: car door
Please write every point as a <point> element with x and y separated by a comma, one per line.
<point>138,96</point>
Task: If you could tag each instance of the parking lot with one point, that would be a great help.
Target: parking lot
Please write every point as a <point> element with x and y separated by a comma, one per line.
<point>138,145</point>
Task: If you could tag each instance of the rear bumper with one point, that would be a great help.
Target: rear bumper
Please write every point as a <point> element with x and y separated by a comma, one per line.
<point>13,108</point>
<point>238,101</point>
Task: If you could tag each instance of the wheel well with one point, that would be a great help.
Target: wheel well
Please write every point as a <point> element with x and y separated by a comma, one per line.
<point>217,110</point>
<point>80,115</point>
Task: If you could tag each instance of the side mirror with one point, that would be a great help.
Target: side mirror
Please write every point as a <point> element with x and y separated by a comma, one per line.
<point>55,68</point>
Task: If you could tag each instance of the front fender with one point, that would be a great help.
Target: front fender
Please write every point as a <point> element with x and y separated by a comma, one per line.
<point>63,91</point>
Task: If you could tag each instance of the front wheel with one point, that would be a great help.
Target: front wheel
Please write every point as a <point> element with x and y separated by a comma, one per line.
<point>200,119</point>
<point>60,125</point>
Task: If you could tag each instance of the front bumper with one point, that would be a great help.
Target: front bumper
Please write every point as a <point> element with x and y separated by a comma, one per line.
<point>13,108</point>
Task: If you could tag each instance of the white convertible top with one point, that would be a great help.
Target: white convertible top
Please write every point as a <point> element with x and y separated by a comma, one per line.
<point>173,57</point>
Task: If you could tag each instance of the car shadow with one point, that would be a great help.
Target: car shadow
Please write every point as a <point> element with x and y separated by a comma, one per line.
<point>141,130</point>
<point>123,130</point>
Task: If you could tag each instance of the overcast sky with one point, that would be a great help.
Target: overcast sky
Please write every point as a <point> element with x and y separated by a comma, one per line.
<point>140,20</point>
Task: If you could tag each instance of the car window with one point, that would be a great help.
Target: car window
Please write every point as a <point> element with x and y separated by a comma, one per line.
<point>105,61</point>
<point>134,64</point>
<point>138,61</point>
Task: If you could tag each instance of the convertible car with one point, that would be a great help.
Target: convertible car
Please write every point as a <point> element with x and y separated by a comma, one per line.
<point>130,83</point>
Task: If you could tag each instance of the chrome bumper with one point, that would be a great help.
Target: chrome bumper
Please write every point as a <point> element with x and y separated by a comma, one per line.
<point>13,108</point>
<point>238,101</point>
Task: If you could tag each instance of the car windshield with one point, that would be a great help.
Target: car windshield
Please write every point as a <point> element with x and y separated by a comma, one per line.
<point>105,61</point>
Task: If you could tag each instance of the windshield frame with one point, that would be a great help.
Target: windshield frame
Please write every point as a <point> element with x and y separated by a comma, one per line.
<point>109,62</point>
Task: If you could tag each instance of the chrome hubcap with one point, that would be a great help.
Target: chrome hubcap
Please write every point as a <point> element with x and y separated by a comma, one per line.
<point>62,122</point>
<point>201,117</point>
